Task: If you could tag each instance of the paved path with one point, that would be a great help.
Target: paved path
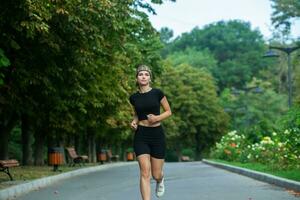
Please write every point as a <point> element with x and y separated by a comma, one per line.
<point>184,181</point>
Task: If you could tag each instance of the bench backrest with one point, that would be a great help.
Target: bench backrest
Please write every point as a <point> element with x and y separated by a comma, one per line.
<point>72,153</point>
<point>109,154</point>
<point>9,163</point>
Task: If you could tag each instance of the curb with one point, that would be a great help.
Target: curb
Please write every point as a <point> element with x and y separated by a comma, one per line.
<point>17,190</point>
<point>278,181</point>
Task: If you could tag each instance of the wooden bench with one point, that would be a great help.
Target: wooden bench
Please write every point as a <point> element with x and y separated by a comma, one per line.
<point>185,158</point>
<point>112,157</point>
<point>74,158</point>
<point>6,164</point>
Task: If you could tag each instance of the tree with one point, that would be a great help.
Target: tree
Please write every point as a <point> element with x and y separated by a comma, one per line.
<point>198,117</point>
<point>67,66</point>
<point>165,34</point>
<point>198,59</point>
<point>249,110</point>
<point>236,48</point>
<point>284,12</point>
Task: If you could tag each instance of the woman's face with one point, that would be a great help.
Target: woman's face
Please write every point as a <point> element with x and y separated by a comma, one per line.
<point>143,78</point>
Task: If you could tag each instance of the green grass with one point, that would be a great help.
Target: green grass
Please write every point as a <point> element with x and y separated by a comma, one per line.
<point>25,173</point>
<point>292,174</point>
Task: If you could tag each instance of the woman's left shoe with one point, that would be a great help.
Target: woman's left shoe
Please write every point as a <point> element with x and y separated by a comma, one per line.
<point>160,188</point>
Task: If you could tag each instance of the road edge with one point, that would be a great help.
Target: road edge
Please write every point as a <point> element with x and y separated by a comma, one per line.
<point>17,190</point>
<point>278,181</point>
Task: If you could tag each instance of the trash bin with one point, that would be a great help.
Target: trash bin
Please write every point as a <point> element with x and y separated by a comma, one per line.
<point>55,157</point>
<point>102,156</point>
<point>130,156</point>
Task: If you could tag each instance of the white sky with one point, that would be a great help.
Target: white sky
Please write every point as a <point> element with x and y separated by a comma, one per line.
<point>184,15</point>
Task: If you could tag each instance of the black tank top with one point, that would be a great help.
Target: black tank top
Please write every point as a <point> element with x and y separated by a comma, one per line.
<point>146,103</point>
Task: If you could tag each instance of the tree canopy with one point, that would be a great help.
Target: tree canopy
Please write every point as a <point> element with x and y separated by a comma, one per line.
<point>236,48</point>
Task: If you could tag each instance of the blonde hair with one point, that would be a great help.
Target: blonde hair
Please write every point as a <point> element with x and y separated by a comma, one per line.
<point>143,68</point>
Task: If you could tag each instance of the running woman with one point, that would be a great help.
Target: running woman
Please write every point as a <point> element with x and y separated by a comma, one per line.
<point>149,139</point>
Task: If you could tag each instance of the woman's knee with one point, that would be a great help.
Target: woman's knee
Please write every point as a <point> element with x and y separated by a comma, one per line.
<point>157,175</point>
<point>145,173</point>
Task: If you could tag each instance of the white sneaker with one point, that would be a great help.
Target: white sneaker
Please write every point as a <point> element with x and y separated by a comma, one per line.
<point>160,188</point>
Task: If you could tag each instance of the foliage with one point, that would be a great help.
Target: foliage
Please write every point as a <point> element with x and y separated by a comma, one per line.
<point>230,146</point>
<point>4,62</point>
<point>249,111</point>
<point>189,90</point>
<point>280,150</point>
<point>296,85</point>
<point>69,64</point>
<point>188,152</point>
<point>165,34</point>
<point>198,59</point>
<point>292,174</point>
<point>284,12</point>
<point>236,48</point>
<point>291,119</point>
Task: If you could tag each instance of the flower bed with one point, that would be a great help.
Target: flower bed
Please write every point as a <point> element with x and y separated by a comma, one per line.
<point>280,150</point>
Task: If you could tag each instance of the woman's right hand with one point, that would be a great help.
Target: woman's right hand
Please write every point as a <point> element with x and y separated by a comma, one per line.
<point>133,125</point>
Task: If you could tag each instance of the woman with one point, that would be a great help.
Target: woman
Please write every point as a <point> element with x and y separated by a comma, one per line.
<point>149,138</point>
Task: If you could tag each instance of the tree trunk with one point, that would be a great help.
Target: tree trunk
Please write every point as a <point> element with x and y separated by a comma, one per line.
<point>199,148</point>
<point>5,129</point>
<point>92,145</point>
<point>39,146</point>
<point>4,143</point>
<point>26,143</point>
<point>94,152</point>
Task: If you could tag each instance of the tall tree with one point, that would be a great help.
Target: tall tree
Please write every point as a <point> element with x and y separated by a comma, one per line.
<point>197,113</point>
<point>235,46</point>
<point>68,63</point>
<point>284,12</point>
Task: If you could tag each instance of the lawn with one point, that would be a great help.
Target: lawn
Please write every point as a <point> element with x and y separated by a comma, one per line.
<point>292,174</point>
<point>25,173</point>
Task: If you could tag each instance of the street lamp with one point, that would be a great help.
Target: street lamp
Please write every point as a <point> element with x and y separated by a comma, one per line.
<point>288,51</point>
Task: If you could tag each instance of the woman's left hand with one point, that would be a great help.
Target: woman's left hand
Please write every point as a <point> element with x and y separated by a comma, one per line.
<point>152,118</point>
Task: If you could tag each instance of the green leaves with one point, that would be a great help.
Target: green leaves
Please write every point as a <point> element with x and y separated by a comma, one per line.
<point>195,107</point>
<point>231,50</point>
<point>71,61</point>
<point>284,12</point>
<point>4,62</point>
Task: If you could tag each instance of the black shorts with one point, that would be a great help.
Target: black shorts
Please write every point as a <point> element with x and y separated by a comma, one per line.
<point>150,140</point>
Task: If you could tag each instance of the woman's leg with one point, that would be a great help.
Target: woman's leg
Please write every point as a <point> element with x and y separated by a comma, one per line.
<point>156,168</point>
<point>145,175</point>
<point>157,173</point>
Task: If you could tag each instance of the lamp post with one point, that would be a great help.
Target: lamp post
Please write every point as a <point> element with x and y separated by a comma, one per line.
<point>288,51</point>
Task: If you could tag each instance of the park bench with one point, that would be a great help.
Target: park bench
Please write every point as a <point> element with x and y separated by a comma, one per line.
<point>6,164</point>
<point>74,158</point>
<point>185,158</point>
<point>112,157</point>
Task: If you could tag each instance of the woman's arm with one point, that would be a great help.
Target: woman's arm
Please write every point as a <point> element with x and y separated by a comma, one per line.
<point>135,121</point>
<point>167,112</point>
<point>135,118</point>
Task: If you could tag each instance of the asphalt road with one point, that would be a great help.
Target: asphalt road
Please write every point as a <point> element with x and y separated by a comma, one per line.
<point>184,181</point>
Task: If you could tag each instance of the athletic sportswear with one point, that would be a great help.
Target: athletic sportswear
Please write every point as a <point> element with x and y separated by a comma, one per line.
<point>150,140</point>
<point>147,103</point>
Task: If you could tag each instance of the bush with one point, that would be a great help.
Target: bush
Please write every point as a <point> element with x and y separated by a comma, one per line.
<point>230,146</point>
<point>188,152</point>
<point>281,151</point>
